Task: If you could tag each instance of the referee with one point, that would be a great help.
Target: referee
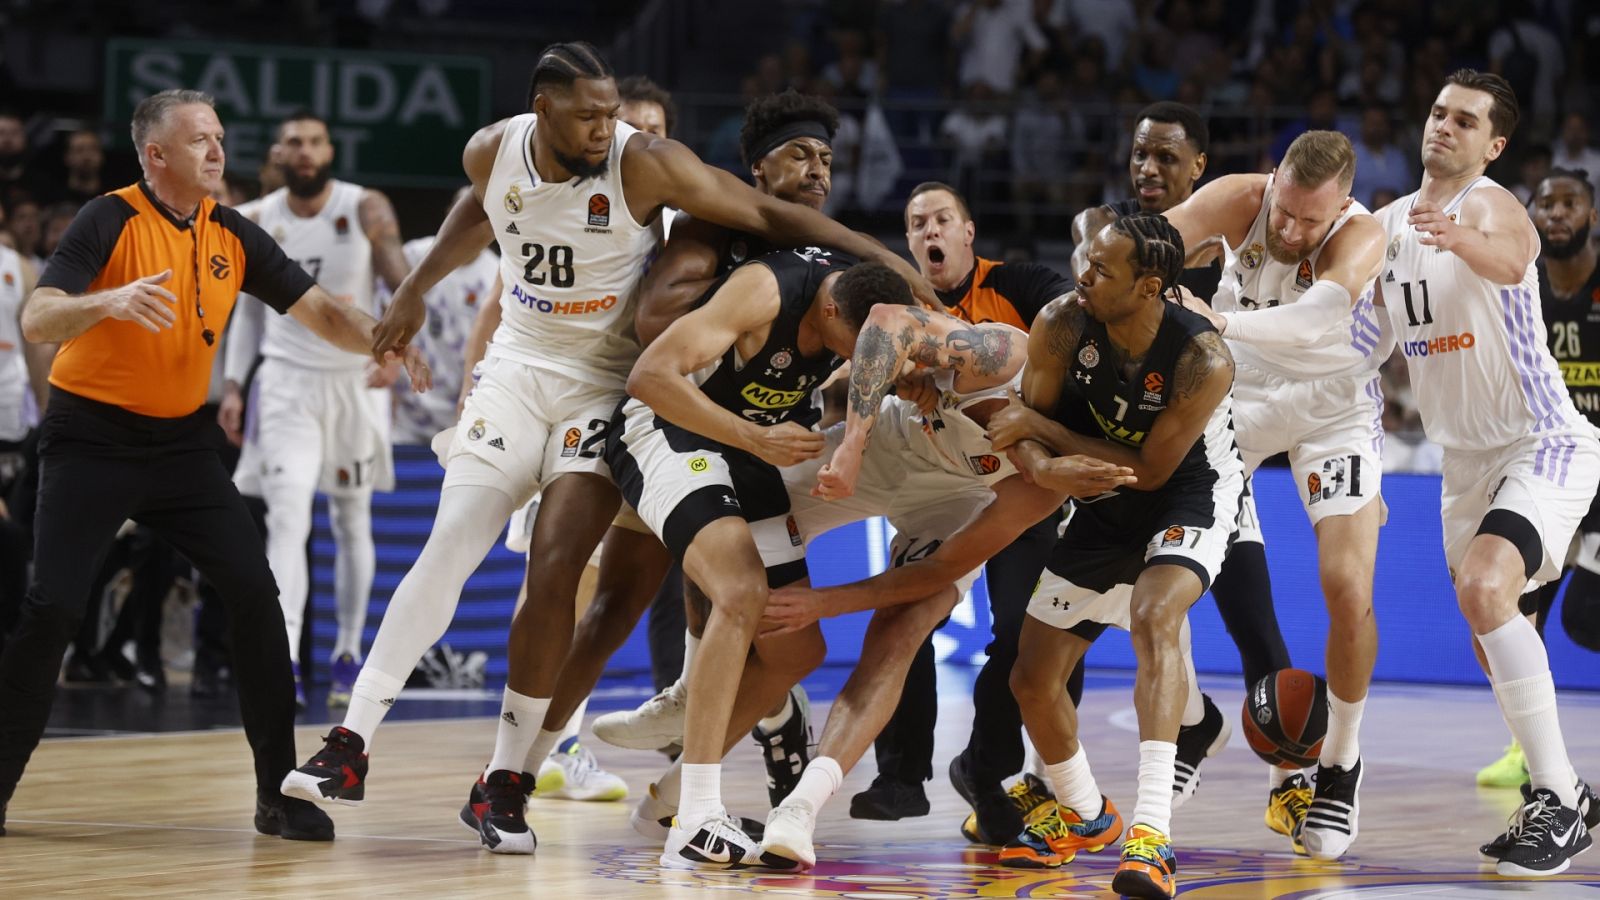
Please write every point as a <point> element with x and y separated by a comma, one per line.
<point>137,291</point>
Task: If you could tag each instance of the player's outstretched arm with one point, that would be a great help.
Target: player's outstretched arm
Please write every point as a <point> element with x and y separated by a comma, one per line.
<point>483,328</point>
<point>1347,268</point>
<point>1224,207</point>
<point>747,301</point>
<point>1017,505</point>
<point>460,239</point>
<point>685,270</point>
<point>352,330</point>
<point>1492,234</point>
<point>674,176</point>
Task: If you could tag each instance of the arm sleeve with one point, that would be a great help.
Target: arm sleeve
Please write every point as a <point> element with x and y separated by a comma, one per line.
<point>243,343</point>
<point>1028,286</point>
<point>268,272</point>
<point>86,245</point>
<point>1303,323</point>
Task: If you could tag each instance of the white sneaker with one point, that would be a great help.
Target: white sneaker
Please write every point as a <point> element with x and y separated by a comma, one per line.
<point>657,722</point>
<point>788,836</point>
<point>713,843</point>
<point>571,773</point>
<point>652,817</point>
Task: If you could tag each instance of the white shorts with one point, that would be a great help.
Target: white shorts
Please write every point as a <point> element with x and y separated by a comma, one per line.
<point>310,429</point>
<point>526,427</point>
<point>519,532</point>
<point>1331,429</point>
<point>924,503</point>
<point>680,482</point>
<point>1548,480</point>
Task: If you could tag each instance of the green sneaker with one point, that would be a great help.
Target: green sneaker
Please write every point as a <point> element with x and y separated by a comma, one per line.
<point>1508,771</point>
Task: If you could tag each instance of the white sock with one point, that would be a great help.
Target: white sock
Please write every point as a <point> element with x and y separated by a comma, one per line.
<point>1074,785</point>
<point>1520,670</point>
<point>669,789</point>
<point>1277,776</point>
<point>575,721</point>
<point>370,698</point>
<point>771,724</point>
<point>701,796</point>
<point>543,743</point>
<point>354,564</point>
<point>1157,764</point>
<point>520,719</point>
<point>1342,746</point>
<point>818,783</point>
<point>1032,762</point>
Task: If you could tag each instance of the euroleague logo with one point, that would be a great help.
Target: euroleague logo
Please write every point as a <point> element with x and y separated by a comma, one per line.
<point>569,442</point>
<point>987,464</point>
<point>599,210</point>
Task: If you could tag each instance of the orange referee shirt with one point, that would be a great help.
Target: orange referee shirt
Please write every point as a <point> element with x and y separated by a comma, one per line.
<point>126,235</point>
<point>1011,293</point>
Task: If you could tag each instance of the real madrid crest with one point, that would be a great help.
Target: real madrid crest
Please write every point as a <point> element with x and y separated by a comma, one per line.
<point>1251,257</point>
<point>513,200</point>
<point>1089,356</point>
<point>1394,248</point>
<point>781,359</point>
<point>476,431</point>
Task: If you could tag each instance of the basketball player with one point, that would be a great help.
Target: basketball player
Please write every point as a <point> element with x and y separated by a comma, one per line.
<point>698,457</point>
<point>24,365</point>
<point>316,424</point>
<point>1520,464</point>
<point>1295,306</point>
<point>1569,288</point>
<point>574,198</point>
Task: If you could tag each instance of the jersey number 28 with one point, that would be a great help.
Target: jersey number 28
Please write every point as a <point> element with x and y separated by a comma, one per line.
<point>560,265</point>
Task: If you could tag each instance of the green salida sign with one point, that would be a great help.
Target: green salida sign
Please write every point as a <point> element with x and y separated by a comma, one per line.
<point>395,118</point>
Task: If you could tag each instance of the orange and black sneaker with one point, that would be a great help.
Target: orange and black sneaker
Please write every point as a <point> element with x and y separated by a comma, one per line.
<point>1030,795</point>
<point>1056,837</point>
<point>337,774</point>
<point>1148,870</point>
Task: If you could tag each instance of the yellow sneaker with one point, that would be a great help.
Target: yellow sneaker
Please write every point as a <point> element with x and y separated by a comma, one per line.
<point>1509,771</point>
<point>1030,795</point>
<point>1287,807</point>
<point>1149,869</point>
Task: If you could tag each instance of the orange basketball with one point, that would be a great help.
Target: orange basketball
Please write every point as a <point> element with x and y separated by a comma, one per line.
<point>1286,717</point>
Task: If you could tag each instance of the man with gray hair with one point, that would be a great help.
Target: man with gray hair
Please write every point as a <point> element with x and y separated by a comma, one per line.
<point>126,294</point>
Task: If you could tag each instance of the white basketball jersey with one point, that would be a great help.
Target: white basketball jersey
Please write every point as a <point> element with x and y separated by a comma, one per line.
<point>1481,372</point>
<point>333,249</point>
<point>15,406</point>
<point>950,440</point>
<point>452,306</point>
<point>571,259</point>
<point>1252,279</point>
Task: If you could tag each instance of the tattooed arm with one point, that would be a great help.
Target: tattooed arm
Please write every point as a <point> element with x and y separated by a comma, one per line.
<point>987,355</point>
<point>1204,375</point>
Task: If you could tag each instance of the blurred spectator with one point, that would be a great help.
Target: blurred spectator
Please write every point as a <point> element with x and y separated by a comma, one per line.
<point>913,43</point>
<point>1154,74</point>
<point>1192,46</point>
<point>15,177</point>
<point>56,219</point>
<point>1528,55</point>
<point>646,107</point>
<point>1111,21</point>
<point>1380,163</point>
<point>993,35</point>
<point>1573,151</point>
<point>976,134</point>
<point>1039,159</point>
<point>1322,113</point>
<point>23,221</point>
<point>84,160</point>
<point>1535,166</point>
<point>853,76</point>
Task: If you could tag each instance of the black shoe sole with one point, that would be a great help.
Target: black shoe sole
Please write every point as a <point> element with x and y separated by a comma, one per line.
<point>874,812</point>
<point>274,826</point>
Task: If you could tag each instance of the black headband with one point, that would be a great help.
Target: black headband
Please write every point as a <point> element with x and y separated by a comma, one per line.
<point>805,128</point>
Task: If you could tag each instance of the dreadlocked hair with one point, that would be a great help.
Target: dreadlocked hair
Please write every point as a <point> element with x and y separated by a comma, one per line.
<point>560,65</point>
<point>1157,247</point>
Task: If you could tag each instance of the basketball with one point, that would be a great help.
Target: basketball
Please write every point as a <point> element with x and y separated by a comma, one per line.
<point>1286,717</point>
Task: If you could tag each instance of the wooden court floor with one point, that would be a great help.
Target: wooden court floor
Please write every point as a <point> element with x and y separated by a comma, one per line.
<point>169,816</point>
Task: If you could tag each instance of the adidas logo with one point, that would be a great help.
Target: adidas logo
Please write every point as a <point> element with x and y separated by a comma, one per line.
<point>512,229</point>
<point>387,701</point>
<point>497,443</point>
<point>510,718</point>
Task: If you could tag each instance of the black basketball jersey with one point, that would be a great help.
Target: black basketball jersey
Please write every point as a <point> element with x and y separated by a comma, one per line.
<point>1573,330</point>
<point>740,249</point>
<point>776,384</point>
<point>1097,401</point>
<point>1201,281</point>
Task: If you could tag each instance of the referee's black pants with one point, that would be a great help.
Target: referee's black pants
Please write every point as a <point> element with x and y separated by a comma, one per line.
<point>100,465</point>
<point>904,749</point>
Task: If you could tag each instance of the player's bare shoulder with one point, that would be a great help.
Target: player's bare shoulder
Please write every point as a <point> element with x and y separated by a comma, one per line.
<point>1204,362</point>
<point>1061,323</point>
<point>482,148</point>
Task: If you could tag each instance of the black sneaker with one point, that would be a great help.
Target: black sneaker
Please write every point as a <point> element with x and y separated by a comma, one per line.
<point>889,800</point>
<point>787,751</point>
<point>337,774</point>
<point>1330,825</point>
<point>478,802</point>
<point>503,824</point>
<point>1588,808</point>
<point>292,819</point>
<point>1195,743</point>
<point>1588,805</point>
<point>1549,835</point>
<point>998,818</point>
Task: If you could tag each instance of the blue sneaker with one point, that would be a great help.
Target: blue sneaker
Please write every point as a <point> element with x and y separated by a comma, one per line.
<point>345,670</point>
